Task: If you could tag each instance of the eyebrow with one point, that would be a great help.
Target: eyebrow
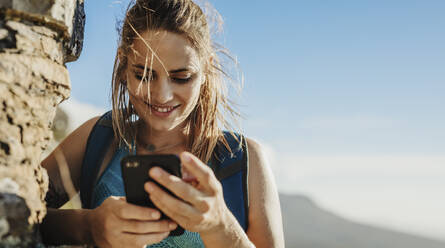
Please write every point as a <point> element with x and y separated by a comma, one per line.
<point>142,67</point>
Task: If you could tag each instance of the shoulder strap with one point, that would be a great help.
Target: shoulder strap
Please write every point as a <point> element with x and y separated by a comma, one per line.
<point>226,163</point>
<point>231,169</point>
<point>98,142</point>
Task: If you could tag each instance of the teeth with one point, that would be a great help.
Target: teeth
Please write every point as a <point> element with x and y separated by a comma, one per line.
<point>162,110</point>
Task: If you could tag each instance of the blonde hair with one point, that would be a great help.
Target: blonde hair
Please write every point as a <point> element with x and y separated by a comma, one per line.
<point>209,117</point>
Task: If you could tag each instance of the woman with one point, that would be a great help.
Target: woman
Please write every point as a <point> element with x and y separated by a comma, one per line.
<point>168,98</point>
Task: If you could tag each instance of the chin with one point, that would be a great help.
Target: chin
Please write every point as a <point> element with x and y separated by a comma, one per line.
<point>162,126</point>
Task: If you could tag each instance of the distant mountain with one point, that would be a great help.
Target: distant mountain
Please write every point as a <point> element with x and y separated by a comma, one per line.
<point>308,226</point>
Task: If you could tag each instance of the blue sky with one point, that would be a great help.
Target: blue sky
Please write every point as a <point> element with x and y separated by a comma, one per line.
<point>316,61</point>
<point>326,81</point>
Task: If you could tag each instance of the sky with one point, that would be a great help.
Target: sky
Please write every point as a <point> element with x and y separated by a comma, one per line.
<point>347,98</point>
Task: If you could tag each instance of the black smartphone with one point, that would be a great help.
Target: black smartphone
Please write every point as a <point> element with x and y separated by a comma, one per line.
<point>135,174</point>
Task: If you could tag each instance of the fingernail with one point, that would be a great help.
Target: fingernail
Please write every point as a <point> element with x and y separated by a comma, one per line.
<point>148,187</point>
<point>186,157</point>
<point>155,215</point>
<point>155,172</point>
<point>172,226</point>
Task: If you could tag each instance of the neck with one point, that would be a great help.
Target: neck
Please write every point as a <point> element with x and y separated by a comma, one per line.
<point>161,138</point>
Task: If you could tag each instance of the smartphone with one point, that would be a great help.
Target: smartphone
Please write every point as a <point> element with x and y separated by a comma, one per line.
<point>135,174</point>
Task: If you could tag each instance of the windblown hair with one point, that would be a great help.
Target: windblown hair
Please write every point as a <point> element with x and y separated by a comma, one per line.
<point>207,120</point>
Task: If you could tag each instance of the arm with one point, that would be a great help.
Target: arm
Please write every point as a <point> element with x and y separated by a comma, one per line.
<point>67,222</point>
<point>265,222</point>
<point>72,148</point>
<point>66,226</point>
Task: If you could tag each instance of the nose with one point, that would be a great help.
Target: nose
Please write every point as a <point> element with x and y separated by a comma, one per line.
<point>161,91</point>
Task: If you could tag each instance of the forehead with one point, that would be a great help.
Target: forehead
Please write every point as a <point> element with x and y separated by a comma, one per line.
<point>166,48</point>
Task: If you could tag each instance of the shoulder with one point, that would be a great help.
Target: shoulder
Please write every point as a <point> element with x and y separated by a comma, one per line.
<point>256,151</point>
<point>260,172</point>
<point>80,135</point>
<point>259,167</point>
<point>77,139</point>
<point>265,224</point>
<point>72,148</point>
<point>87,125</point>
<point>83,132</point>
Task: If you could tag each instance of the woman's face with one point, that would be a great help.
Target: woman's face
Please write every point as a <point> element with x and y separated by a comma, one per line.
<point>164,79</point>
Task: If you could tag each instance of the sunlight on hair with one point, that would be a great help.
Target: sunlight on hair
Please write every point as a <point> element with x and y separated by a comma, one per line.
<point>214,18</point>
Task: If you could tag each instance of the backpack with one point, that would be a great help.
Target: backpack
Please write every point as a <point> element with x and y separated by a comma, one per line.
<point>230,168</point>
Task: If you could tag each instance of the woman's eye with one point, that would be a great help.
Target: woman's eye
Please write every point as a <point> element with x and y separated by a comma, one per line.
<point>182,80</point>
<point>142,78</point>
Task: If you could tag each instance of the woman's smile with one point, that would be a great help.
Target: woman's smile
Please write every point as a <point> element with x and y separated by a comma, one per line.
<point>162,110</point>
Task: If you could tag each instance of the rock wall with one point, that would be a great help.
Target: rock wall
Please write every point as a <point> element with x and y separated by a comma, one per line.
<point>36,38</point>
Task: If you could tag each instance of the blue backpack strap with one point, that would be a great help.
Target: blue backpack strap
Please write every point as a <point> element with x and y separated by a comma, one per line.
<point>231,169</point>
<point>98,143</point>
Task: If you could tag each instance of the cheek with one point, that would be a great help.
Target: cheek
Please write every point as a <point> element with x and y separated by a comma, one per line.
<point>193,95</point>
<point>196,90</point>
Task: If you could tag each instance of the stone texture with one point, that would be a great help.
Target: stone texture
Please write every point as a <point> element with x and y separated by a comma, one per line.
<point>33,81</point>
<point>60,10</point>
<point>36,41</point>
<point>14,231</point>
<point>67,16</point>
<point>36,38</point>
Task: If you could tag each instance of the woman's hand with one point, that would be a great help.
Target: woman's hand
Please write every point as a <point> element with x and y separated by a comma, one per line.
<point>201,207</point>
<point>116,223</point>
